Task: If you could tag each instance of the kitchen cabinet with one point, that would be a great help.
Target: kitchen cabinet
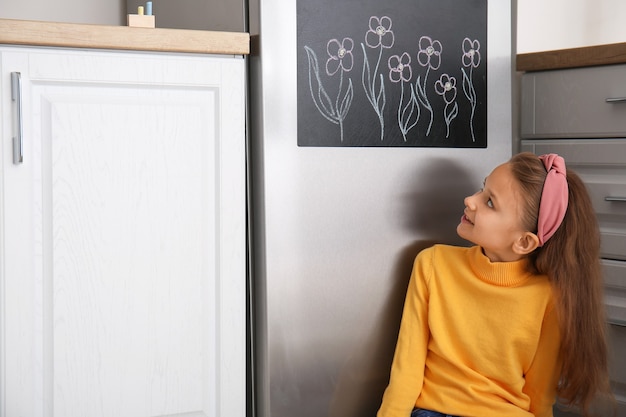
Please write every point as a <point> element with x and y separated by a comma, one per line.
<point>601,164</point>
<point>580,113</point>
<point>574,103</point>
<point>122,225</point>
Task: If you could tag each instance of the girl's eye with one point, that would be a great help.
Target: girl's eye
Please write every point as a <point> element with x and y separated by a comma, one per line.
<point>489,203</point>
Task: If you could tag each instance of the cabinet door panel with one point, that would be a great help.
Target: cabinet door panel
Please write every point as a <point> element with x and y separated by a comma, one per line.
<point>136,243</point>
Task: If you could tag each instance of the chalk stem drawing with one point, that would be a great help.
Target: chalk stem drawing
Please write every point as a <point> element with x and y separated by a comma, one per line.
<point>379,35</point>
<point>340,60</point>
<point>471,60</point>
<point>445,86</point>
<point>400,72</point>
<point>429,56</point>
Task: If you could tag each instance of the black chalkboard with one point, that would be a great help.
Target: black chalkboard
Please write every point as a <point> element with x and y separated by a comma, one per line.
<point>393,73</point>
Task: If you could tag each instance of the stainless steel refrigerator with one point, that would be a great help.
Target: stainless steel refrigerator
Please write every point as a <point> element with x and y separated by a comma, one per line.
<point>334,229</point>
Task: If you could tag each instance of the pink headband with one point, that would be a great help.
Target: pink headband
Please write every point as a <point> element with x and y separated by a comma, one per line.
<point>553,203</point>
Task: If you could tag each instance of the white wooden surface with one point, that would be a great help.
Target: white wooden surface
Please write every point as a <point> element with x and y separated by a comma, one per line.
<point>123,244</point>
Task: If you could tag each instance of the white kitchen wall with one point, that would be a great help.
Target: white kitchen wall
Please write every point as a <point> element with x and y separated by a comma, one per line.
<point>558,24</point>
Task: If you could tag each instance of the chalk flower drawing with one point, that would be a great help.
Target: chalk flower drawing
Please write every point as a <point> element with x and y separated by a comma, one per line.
<point>340,55</point>
<point>400,68</point>
<point>445,86</point>
<point>340,60</point>
<point>471,60</point>
<point>429,56</point>
<point>379,36</point>
<point>400,71</point>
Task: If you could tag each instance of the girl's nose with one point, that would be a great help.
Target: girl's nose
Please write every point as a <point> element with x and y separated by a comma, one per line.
<point>470,202</point>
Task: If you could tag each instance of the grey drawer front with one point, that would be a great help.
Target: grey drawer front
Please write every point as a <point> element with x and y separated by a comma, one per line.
<point>581,152</point>
<point>611,214</point>
<point>601,163</point>
<point>615,301</point>
<point>571,103</point>
<point>615,292</point>
<point>617,363</point>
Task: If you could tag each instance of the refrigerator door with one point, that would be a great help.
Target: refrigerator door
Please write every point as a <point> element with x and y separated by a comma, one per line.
<point>335,229</point>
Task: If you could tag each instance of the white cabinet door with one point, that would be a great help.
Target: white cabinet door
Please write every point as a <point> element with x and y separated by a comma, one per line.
<point>123,236</point>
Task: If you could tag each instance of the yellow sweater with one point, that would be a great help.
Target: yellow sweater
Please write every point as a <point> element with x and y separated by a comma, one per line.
<point>477,339</point>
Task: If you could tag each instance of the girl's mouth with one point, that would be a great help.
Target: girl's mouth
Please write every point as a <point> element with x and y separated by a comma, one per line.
<point>466,219</point>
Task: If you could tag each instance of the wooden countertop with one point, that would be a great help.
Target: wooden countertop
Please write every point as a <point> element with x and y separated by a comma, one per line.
<point>587,56</point>
<point>38,33</point>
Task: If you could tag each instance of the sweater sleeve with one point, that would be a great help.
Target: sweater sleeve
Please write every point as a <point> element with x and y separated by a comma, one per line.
<point>543,376</point>
<point>407,369</point>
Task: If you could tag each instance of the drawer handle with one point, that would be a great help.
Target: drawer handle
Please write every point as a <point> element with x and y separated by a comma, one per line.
<point>617,322</point>
<point>621,199</point>
<point>616,100</point>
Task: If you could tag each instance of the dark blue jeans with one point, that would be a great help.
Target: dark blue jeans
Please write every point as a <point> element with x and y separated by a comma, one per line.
<point>418,412</point>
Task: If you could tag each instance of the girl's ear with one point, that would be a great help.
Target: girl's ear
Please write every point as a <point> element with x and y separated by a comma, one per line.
<point>526,243</point>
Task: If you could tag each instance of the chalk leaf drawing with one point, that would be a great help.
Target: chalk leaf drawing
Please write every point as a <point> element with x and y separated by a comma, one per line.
<point>470,60</point>
<point>379,36</point>
<point>400,71</point>
<point>445,86</point>
<point>429,56</point>
<point>340,60</point>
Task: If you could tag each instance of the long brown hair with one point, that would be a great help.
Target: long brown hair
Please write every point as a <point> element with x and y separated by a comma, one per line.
<point>571,259</point>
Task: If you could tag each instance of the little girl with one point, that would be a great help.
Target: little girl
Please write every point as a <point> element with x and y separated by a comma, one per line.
<point>504,327</point>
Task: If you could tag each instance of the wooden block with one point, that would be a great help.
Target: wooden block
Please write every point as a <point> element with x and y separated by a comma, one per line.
<point>141,21</point>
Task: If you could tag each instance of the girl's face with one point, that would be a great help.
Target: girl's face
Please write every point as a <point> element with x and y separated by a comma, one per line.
<point>492,217</point>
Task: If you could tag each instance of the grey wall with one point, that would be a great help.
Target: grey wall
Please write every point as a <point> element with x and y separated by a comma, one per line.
<point>102,12</point>
<point>221,15</point>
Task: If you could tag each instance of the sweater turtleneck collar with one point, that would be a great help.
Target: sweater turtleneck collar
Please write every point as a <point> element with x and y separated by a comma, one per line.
<point>503,274</point>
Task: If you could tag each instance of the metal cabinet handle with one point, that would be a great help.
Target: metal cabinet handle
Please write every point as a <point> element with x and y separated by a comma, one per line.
<point>617,322</point>
<point>16,96</point>
<point>616,100</point>
<point>616,198</point>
